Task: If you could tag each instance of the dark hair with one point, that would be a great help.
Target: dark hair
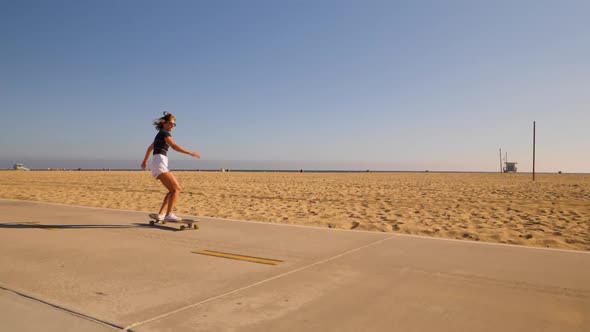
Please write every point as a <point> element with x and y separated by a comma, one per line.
<point>159,123</point>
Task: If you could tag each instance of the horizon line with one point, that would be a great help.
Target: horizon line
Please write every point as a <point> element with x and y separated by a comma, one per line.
<point>288,171</point>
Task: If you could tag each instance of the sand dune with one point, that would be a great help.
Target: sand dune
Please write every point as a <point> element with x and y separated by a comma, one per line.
<point>553,211</point>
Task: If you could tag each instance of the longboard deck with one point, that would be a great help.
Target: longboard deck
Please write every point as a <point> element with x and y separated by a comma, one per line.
<point>184,223</point>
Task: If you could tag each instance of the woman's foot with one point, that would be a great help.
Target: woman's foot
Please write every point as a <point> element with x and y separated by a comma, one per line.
<point>172,217</point>
<point>157,217</point>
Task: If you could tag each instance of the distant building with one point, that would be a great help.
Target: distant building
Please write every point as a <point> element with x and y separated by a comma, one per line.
<point>20,167</point>
<point>510,167</point>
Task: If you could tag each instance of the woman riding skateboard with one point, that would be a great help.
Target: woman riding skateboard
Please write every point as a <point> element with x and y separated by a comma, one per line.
<point>163,140</point>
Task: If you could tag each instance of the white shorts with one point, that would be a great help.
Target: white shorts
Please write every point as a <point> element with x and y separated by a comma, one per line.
<point>159,165</point>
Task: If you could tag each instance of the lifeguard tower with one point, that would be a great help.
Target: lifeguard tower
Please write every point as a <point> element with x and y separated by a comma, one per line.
<point>510,167</point>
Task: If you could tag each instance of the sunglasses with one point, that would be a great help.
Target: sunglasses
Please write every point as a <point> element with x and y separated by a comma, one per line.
<point>173,124</point>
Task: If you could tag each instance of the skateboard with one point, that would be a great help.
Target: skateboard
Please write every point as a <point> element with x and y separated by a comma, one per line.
<point>185,223</point>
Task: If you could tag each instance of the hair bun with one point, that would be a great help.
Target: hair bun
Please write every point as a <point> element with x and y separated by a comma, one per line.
<point>166,113</point>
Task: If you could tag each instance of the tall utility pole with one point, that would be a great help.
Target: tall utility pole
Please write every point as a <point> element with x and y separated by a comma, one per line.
<point>534,150</point>
<point>500,160</point>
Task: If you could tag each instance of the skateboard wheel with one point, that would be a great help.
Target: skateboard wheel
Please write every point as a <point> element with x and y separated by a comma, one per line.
<point>195,226</point>
<point>152,222</point>
<point>182,227</point>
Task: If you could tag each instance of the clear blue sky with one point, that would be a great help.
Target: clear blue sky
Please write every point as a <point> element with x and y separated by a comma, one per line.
<point>383,85</point>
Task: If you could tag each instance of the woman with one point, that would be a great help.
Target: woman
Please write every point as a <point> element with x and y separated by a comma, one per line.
<point>165,125</point>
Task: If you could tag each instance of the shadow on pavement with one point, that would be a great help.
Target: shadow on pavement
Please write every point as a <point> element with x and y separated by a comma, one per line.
<point>25,225</point>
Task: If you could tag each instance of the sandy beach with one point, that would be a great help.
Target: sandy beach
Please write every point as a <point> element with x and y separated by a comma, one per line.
<point>553,211</point>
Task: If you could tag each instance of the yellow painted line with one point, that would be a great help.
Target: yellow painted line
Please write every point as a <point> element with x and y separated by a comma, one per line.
<point>35,225</point>
<point>239,257</point>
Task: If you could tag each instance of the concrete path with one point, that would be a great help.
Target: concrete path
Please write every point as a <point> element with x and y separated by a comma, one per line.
<point>66,268</point>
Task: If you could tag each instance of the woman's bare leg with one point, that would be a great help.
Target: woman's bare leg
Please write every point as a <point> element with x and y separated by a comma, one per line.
<point>169,181</point>
<point>164,204</point>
